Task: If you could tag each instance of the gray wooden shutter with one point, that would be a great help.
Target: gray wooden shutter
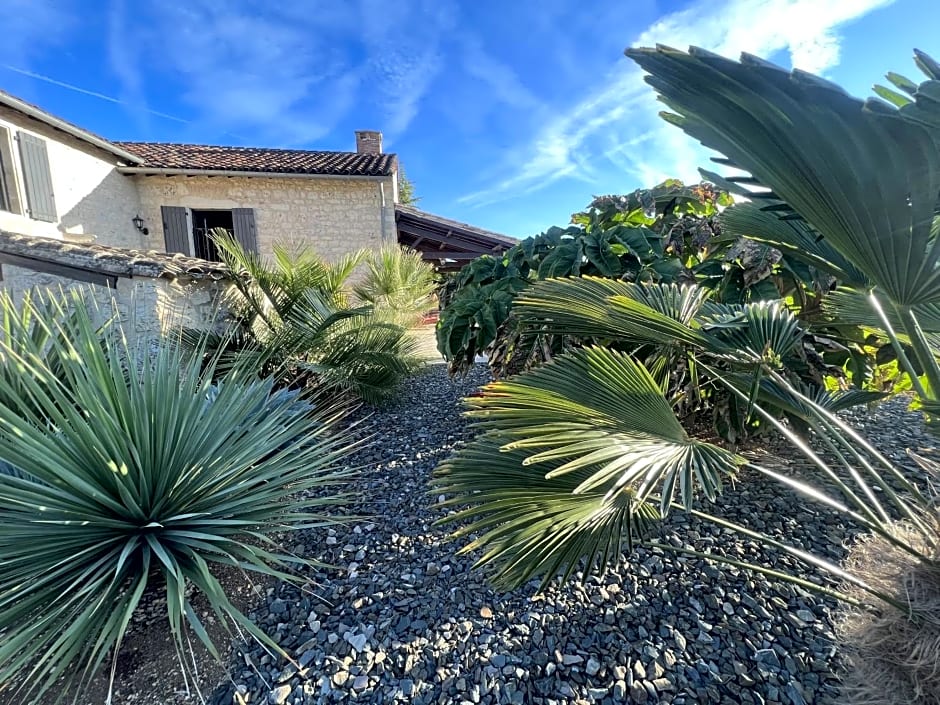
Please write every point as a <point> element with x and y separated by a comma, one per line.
<point>243,222</point>
<point>37,178</point>
<point>176,230</point>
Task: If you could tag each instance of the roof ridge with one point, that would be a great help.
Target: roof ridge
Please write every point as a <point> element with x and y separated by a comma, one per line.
<point>131,143</point>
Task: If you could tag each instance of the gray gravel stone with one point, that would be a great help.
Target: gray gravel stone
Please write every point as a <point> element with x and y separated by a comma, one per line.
<point>400,618</point>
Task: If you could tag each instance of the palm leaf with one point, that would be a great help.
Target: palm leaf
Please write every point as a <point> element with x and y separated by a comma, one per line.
<point>609,308</point>
<point>809,142</point>
<point>852,307</point>
<point>593,432</point>
<point>793,236</point>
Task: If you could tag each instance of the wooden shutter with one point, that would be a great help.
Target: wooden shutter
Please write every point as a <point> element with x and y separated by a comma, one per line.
<point>37,178</point>
<point>243,222</point>
<point>176,230</point>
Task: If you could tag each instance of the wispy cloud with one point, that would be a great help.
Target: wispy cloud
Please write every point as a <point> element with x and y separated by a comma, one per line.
<point>403,43</point>
<point>287,72</point>
<point>85,91</point>
<point>124,60</point>
<point>619,122</point>
<point>503,82</point>
<point>31,27</point>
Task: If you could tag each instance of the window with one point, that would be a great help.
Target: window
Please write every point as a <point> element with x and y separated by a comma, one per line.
<point>9,195</point>
<point>204,222</point>
<point>190,231</point>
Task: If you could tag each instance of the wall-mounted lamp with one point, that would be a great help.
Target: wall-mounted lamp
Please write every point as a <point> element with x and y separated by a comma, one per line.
<point>139,224</point>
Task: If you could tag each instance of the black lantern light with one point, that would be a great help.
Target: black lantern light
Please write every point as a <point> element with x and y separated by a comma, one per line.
<point>139,224</point>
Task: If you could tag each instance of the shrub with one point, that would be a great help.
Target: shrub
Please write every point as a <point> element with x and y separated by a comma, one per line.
<point>135,473</point>
<point>398,284</point>
<point>667,234</point>
<point>294,321</point>
<point>579,457</point>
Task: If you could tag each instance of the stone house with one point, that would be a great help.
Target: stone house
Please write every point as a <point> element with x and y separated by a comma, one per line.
<point>133,201</point>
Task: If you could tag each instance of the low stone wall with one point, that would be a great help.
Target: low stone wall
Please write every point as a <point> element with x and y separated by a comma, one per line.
<point>148,308</point>
<point>153,294</point>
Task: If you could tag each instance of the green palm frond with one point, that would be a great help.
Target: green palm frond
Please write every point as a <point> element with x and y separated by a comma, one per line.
<point>295,323</point>
<point>595,427</point>
<point>853,307</point>
<point>793,236</point>
<point>398,284</point>
<point>788,399</point>
<point>528,525</point>
<point>809,141</point>
<point>766,330</point>
<point>608,308</point>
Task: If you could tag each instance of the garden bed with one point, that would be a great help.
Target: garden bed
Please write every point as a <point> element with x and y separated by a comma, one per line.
<point>400,618</point>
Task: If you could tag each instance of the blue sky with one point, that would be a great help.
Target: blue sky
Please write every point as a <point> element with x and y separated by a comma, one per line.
<point>508,115</point>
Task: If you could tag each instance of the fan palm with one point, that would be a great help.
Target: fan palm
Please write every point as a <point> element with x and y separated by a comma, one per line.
<point>134,473</point>
<point>593,437</point>
<point>849,185</point>
<point>398,284</point>
<point>294,320</point>
<point>575,461</point>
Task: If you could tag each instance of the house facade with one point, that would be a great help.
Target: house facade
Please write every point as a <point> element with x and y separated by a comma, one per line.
<point>125,202</point>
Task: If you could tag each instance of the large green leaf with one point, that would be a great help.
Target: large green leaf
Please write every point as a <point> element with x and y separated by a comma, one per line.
<point>865,178</point>
<point>590,441</point>
<point>853,307</point>
<point>793,236</point>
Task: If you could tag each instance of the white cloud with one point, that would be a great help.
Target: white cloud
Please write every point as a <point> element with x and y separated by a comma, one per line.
<point>619,122</point>
<point>287,73</point>
<point>504,83</point>
<point>403,42</point>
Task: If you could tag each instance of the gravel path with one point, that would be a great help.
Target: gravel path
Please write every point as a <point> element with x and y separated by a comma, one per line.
<point>400,619</point>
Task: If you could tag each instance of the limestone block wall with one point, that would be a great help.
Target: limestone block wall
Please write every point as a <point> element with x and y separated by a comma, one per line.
<point>91,197</point>
<point>148,307</point>
<point>330,216</point>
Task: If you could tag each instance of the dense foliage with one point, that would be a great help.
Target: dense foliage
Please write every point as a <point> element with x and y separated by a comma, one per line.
<point>578,458</point>
<point>135,474</point>
<point>398,284</point>
<point>668,234</point>
<point>295,320</point>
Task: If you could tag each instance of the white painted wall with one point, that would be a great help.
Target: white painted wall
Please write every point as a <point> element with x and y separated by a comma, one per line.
<point>91,197</point>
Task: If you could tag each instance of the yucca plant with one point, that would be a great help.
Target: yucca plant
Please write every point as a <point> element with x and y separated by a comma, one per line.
<point>294,321</point>
<point>135,473</point>
<point>398,284</point>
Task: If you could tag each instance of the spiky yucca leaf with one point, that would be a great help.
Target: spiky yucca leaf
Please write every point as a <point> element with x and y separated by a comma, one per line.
<point>134,466</point>
<point>594,441</point>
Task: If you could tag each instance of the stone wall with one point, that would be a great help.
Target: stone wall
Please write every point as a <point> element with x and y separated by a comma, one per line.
<point>149,308</point>
<point>91,197</point>
<point>330,216</point>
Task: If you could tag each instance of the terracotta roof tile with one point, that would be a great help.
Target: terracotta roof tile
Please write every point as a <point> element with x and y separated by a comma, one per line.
<point>159,155</point>
<point>116,261</point>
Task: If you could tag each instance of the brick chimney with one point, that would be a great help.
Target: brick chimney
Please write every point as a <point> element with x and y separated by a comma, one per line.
<point>368,142</point>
